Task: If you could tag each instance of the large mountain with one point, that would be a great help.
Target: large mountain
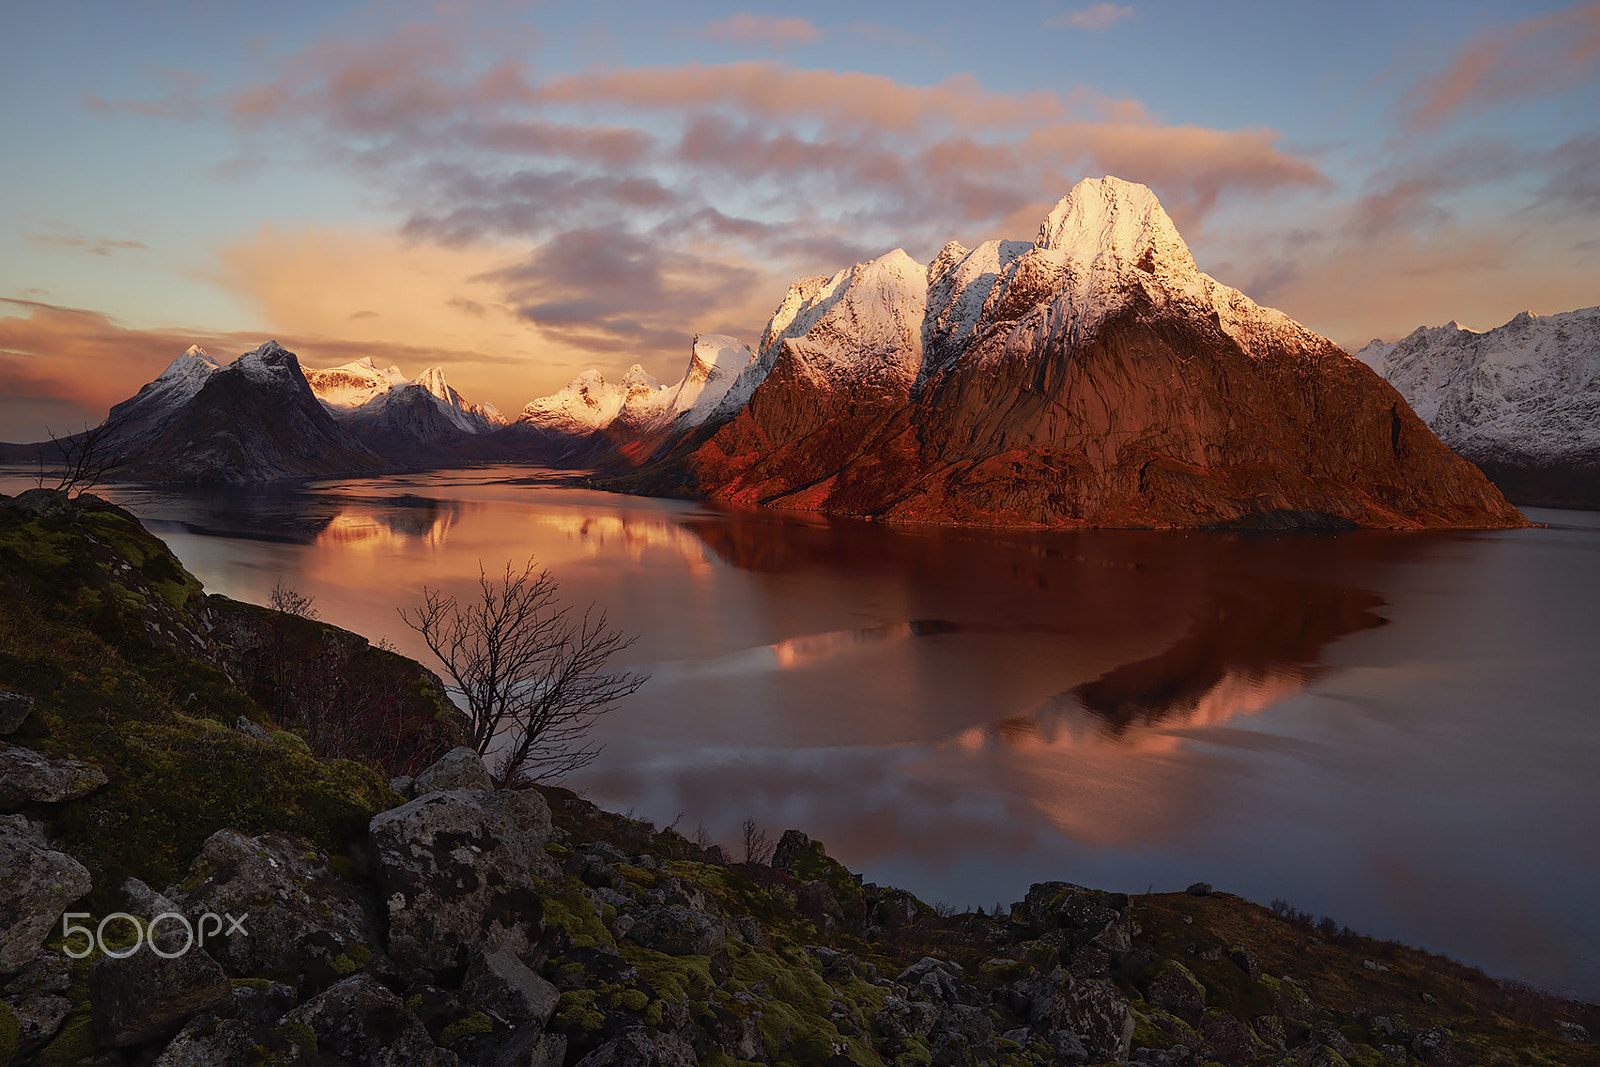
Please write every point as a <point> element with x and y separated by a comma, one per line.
<point>1522,400</point>
<point>253,420</point>
<point>1092,377</point>
<point>414,422</point>
<point>591,420</point>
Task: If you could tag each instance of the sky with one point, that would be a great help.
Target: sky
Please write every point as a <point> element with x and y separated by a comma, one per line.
<point>518,191</point>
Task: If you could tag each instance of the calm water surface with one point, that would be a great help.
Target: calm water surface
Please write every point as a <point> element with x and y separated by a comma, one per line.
<point>1398,731</point>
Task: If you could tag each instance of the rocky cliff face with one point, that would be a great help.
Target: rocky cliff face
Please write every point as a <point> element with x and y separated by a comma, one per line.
<point>1094,377</point>
<point>1522,401</point>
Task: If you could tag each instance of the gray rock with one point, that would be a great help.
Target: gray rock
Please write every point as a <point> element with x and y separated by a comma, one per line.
<point>361,1021</point>
<point>39,1016</point>
<point>145,995</point>
<point>301,921</point>
<point>1199,889</point>
<point>460,768</point>
<point>1174,989</point>
<point>36,885</point>
<point>677,931</point>
<point>1573,1032</point>
<point>245,726</point>
<point>1435,1045</point>
<point>507,988</point>
<point>1088,1007</point>
<point>206,1042</point>
<point>14,710</point>
<point>896,909</point>
<point>265,1005</point>
<point>459,872</point>
<point>404,785</point>
<point>26,777</point>
<point>640,1046</point>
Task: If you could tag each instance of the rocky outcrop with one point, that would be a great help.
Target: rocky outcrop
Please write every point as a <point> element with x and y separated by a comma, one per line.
<point>14,711</point>
<point>459,870</point>
<point>26,777</point>
<point>37,882</point>
<point>1522,400</point>
<point>1095,377</point>
<point>305,925</point>
<point>360,1021</point>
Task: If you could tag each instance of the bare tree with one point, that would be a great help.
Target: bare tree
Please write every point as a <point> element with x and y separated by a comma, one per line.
<point>529,669</point>
<point>86,459</point>
<point>757,843</point>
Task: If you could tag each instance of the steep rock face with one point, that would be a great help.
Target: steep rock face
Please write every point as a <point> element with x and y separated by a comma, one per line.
<point>253,420</point>
<point>837,364</point>
<point>1095,377</point>
<point>1522,401</point>
<point>161,399</point>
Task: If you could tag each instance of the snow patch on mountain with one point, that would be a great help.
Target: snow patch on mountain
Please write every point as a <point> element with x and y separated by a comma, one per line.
<point>583,405</point>
<point>1527,391</point>
<point>860,328</point>
<point>361,392</point>
<point>170,390</point>
<point>353,384</point>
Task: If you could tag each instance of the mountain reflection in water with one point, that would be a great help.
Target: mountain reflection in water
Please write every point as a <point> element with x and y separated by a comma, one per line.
<point>965,711</point>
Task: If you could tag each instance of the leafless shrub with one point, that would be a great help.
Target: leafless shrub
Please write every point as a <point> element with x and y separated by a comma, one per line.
<point>85,459</point>
<point>528,668</point>
<point>757,843</point>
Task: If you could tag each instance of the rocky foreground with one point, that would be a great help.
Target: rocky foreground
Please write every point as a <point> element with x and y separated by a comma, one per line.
<point>396,909</point>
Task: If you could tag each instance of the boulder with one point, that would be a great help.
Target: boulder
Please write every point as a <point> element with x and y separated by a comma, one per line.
<point>14,709</point>
<point>37,998</point>
<point>146,994</point>
<point>36,885</point>
<point>1176,990</point>
<point>208,1042</point>
<point>459,872</point>
<point>677,931</point>
<point>302,922</point>
<point>26,777</point>
<point>1089,1008</point>
<point>265,1002</point>
<point>1435,1045</point>
<point>460,768</point>
<point>361,1021</point>
<point>639,1046</point>
<point>507,988</point>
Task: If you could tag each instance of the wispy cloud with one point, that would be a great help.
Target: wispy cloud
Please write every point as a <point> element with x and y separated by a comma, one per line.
<point>1525,60</point>
<point>57,235</point>
<point>762,31</point>
<point>1093,18</point>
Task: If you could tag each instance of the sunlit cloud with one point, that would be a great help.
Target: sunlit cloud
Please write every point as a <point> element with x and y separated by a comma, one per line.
<point>1094,17</point>
<point>762,31</point>
<point>1523,61</point>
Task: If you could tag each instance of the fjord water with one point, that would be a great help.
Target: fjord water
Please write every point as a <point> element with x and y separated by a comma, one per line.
<point>1397,730</point>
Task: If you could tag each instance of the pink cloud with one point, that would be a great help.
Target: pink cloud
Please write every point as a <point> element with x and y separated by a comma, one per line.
<point>1093,17</point>
<point>1523,61</point>
<point>762,31</point>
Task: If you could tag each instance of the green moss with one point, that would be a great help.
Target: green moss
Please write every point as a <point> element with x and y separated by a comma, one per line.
<point>10,1035</point>
<point>572,913</point>
<point>72,1043</point>
<point>298,1033</point>
<point>260,985</point>
<point>678,979</point>
<point>476,1023</point>
<point>576,1011</point>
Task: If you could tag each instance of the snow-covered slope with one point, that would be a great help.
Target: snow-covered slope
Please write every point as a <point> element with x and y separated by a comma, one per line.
<point>362,394</point>
<point>353,384</point>
<point>860,329</point>
<point>639,405</point>
<point>1521,400</point>
<point>158,400</point>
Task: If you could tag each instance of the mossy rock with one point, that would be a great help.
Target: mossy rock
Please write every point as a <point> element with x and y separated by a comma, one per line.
<point>10,1035</point>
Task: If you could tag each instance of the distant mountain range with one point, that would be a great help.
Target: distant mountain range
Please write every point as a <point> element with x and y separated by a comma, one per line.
<point>1522,400</point>
<point>1092,376</point>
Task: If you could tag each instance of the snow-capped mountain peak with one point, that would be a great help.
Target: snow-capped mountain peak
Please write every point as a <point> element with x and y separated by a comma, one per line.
<point>1118,221</point>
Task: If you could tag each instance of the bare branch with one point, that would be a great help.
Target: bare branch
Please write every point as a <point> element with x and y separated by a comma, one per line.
<point>528,671</point>
<point>87,459</point>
